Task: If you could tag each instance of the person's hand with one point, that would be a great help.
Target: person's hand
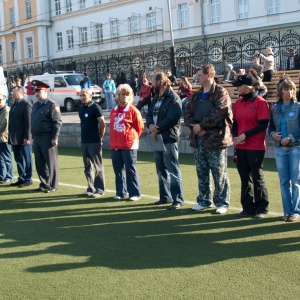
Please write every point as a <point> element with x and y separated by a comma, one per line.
<point>196,128</point>
<point>201,132</point>
<point>26,142</point>
<point>284,142</point>
<point>154,138</point>
<point>154,129</point>
<point>54,142</point>
<point>239,140</point>
<point>257,52</point>
<point>276,136</point>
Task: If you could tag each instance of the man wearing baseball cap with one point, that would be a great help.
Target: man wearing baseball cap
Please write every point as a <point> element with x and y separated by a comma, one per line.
<point>45,127</point>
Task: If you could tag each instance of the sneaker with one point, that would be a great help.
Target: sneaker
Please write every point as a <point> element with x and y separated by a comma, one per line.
<point>199,207</point>
<point>97,195</point>
<point>135,198</point>
<point>87,194</point>
<point>119,197</point>
<point>293,218</point>
<point>245,214</point>
<point>259,216</point>
<point>174,206</point>
<point>5,181</point>
<point>221,210</point>
<point>24,184</point>
<point>16,183</point>
<point>40,189</point>
<point>49,191</point>
<point>285,218</point>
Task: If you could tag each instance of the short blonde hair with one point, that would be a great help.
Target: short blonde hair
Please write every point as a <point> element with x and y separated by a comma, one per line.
<point>286,83</point>
<point>124,88</point>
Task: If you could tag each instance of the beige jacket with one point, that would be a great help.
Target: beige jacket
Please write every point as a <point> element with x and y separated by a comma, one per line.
<point>4,113</point>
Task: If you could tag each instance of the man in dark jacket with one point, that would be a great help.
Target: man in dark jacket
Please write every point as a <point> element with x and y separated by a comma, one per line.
<point>19,136</point>
<point>208,114</point>
<point>163,120</point>
<point>293,60</point>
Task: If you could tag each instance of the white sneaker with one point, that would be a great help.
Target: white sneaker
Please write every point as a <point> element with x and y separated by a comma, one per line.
<point>200,207</point>
<point>135,198</point>
<point>221,210</point>
<point>119,197</point>
<point>97,195</point>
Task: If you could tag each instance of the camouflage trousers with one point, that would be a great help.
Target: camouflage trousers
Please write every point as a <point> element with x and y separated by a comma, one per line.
<point>212,162</point>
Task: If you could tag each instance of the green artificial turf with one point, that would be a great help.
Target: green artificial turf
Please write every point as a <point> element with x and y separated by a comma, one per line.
<point>64,246</point>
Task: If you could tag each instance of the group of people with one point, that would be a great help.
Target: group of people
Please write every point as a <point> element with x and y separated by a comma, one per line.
<point>213,124</point>
<point>23,125</point>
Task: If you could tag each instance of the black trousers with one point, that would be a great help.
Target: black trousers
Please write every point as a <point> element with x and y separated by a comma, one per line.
<point>268,75</point>
<point>142,103</point>
<point>254,194</point>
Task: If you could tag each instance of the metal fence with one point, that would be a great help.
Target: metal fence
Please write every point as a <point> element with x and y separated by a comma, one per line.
<point>238,51</point>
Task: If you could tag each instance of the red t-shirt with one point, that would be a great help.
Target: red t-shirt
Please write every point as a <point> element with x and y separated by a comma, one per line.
<point>247,114</point>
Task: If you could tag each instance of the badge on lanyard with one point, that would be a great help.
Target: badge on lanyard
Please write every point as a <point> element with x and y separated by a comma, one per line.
<point>291,114</point>
<point>86,115</point>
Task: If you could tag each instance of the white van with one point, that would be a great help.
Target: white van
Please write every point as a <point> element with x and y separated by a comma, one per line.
<point>65,89</point>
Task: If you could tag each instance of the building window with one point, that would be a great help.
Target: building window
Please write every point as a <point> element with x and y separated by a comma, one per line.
<point>59,41</point>
<point>13,51</point>
<point>57,7</point>
<point>133,24</point>
<point>243,9</point>
<point>151,21</point>
<point>183,15</point>
<point>68,6</point>
<point>29,47</point>
<point>99,32</point>
<point>83,37</point>
<point>12,19</point>
<point>28,9</point>
<point>97,2</point>
<point>273,6</point>
<point>114,28</point>
<point>81,4</point>
<point>215,11</point>
<point>70,39</point>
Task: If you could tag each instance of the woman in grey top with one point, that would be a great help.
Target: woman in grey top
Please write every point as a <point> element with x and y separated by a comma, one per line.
<point>268,64</point>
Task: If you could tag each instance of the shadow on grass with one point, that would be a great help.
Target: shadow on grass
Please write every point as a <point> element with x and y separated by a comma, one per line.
<point>123,235</point>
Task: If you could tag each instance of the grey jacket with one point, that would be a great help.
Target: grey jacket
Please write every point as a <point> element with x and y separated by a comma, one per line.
<point>4,114</point>
<point>292,118</point>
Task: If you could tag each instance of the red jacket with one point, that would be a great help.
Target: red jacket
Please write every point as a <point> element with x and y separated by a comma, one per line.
<point>126,126</point>
<point>29,89</point>
<point>185,92</point>
<point>145,91</point>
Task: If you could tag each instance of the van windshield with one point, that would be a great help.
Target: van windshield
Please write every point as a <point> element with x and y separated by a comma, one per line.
<point>73,79</point>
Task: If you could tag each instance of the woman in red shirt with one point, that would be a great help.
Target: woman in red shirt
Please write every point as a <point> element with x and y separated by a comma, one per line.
<point>145,94</point>
<point>126,126</point>
<point>184,91</point>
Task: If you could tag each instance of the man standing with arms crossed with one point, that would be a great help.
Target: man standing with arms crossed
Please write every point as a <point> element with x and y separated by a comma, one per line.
<point>92,132</point>
<point>45,128</point>
<point>19,136</point>
<point>209,116</point>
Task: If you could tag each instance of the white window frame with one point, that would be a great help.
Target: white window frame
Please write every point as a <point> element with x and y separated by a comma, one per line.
<point>99,32</point>
<point>82,4</point>
<point>83,36</point>
<point>242,9</point>
<point>183,15</point>
<point>57,7</point>
<point>70,39</point>
<point>12,16</point>
<point>215,11</point>
<point>97,2</point>
<point>68,5</point>
<point>151,21</point>
<point>59,41</point>
<point>114,28</point>
<point>273,7</point>
<point>29,54</point>
<point>28,9</point>
<point>13,51</point>
<point>133,24</point>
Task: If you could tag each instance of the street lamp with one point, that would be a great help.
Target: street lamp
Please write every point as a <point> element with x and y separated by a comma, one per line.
<point>172,48</point>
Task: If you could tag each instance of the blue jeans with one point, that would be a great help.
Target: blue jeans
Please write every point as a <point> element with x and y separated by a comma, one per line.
<point>124,162</point>
<point>23,158</point>
<point>109,100</point>
<point>288,166</point>
<point>6,162</point>
<point>169,175</point>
